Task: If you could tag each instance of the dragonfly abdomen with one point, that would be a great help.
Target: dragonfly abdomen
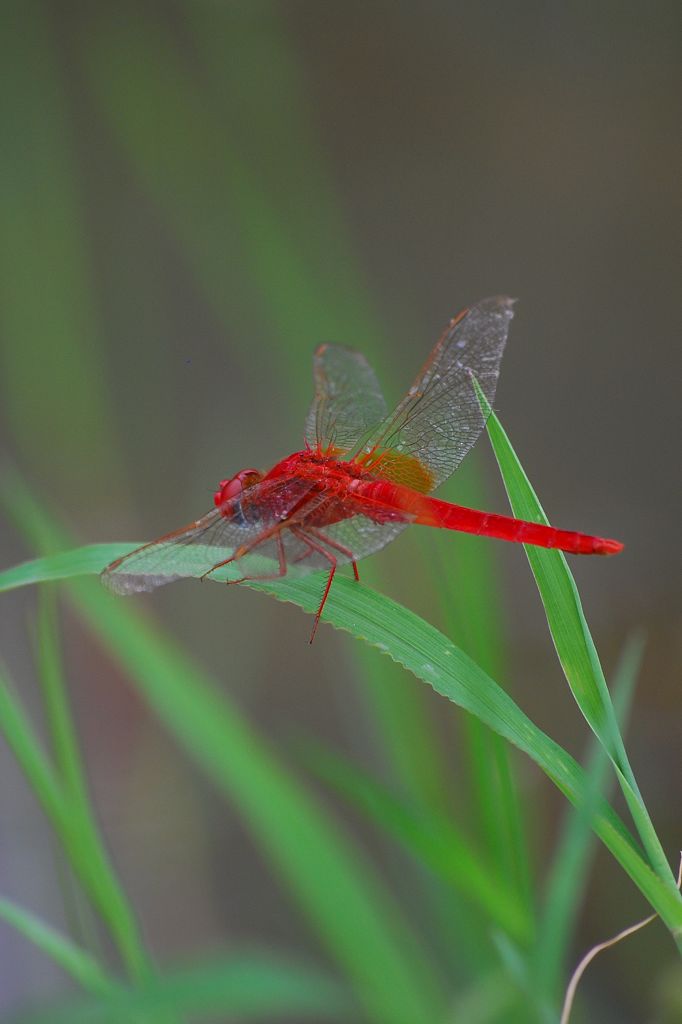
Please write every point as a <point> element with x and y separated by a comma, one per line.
<point>427,511</point>
<point>489,524</point>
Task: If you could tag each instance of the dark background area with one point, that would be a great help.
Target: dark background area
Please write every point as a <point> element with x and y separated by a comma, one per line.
<point>192,196</point>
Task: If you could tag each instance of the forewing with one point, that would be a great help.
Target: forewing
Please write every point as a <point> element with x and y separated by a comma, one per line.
<point>195,549</point>
<point>440,418</point>
<point>348,400</point>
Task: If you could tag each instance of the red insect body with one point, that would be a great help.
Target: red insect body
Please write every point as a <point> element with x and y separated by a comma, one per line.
<point>427,511</point>
<point>363,476</point>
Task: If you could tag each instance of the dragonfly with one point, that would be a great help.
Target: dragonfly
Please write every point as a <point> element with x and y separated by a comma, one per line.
<point>363,476</point>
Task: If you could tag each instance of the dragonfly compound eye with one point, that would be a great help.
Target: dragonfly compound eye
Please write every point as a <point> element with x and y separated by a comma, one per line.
<point>232,488</point>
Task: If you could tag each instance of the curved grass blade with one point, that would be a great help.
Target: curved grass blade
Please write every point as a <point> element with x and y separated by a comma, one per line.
<point>63,565</point>
<point>82,967</point>
<point>575,646</point>
<point>250,985</point>
<point>429,655</point>
<point>567,878</point>
<point>76,830</point>
<point>420,648</point>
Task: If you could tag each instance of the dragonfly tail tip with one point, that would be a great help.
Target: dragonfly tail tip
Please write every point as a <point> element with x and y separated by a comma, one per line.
<point>610,547</point>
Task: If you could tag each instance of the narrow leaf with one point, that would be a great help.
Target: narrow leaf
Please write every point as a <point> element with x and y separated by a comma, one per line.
<point>574,644</point>
<point>82,967</point>
<point>77,835</point>
<point>250,985</point>
<point>568,874</point>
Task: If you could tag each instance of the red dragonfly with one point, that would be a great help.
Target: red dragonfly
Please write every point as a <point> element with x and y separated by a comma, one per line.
<point>362,477</point>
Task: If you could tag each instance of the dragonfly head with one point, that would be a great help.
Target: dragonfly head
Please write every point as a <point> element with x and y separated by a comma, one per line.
<point>232,488</point>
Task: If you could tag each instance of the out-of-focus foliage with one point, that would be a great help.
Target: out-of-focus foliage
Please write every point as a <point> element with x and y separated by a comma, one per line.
<point>192,196</point>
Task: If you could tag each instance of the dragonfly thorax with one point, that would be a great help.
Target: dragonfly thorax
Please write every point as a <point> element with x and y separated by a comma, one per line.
<point>232,488</point>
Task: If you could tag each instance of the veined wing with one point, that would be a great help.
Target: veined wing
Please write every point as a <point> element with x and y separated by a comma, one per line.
<point>361,535</point>
<point>305,549</point>
<point>193,550</point>
<point>440,418</point>
<point>347,402</point>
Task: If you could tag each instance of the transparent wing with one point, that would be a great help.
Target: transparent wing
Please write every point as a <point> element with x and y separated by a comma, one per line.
<point>300,549</point>
<point>362,536</point>
<point>347,402</point>
<point>217,536</point>
<point>440,418</point>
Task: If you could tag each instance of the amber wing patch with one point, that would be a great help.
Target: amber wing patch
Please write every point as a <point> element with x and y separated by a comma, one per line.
<point>404,469</point>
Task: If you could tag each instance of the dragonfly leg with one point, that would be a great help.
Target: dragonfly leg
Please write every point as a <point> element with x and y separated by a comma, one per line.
<point>213,568</point>
<point>324,598</point>
<point>337,547</point>
<point>282,571</point>
<point>311,538</point>
<point>245,549</point>
<point>310,547</point>
<point>317,534</point>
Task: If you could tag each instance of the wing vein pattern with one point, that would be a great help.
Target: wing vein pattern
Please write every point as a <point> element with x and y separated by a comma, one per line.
<point>440,418</point>
<point>347,402</point>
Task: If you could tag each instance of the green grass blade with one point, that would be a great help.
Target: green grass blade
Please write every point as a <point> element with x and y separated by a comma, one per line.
<point>78,837</point>
<point>57,713</point>
<point>567,877</point>
<point>404,732</point>
<point>78,810</point>
<point>574,644</point>
<point>251,986</point>
<point>434,841</point>
<point>82,967</point>
<point>64,565</point>
<point>429,655</point>
<point>425,652</point>
<point>23,743</point>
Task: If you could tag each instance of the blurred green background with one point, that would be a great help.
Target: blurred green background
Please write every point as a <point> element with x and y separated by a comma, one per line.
<point>192,196</point>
